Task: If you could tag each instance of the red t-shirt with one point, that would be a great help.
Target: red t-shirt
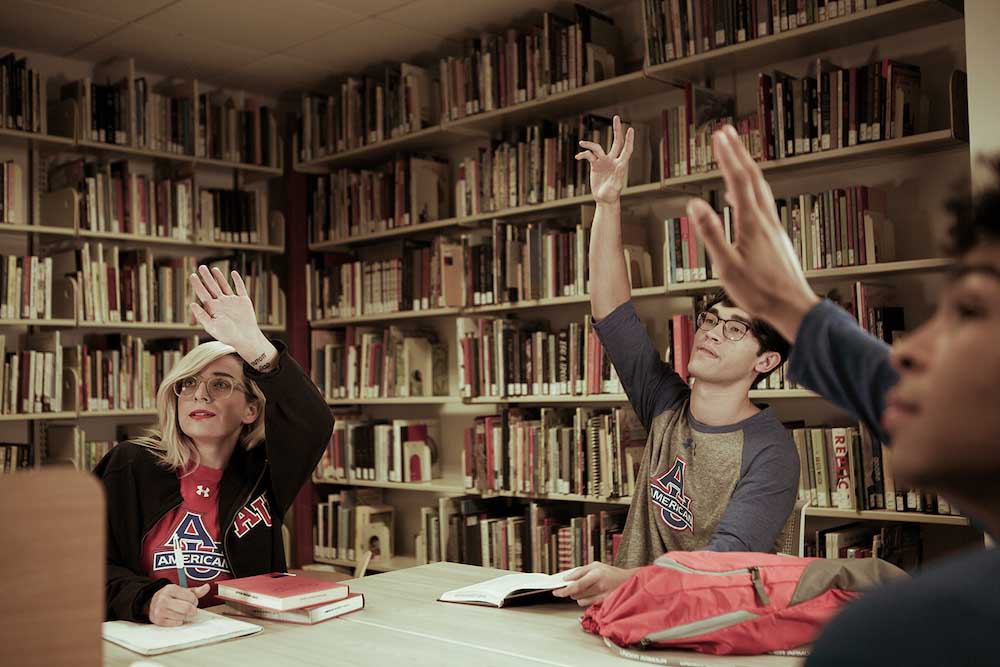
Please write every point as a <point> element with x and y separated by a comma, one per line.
<point>195,522</point>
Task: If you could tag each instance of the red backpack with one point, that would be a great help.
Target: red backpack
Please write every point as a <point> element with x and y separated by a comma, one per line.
<point>741,603</point>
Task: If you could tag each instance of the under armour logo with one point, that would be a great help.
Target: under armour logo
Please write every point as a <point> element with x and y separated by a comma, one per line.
<point>202,491</point>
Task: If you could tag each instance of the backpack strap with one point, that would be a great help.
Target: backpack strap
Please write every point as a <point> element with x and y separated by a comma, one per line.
<point>653,659</point>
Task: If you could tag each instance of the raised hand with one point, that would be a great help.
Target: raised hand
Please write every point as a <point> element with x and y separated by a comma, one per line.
<point>609,171</point>
<point>229,316</point>
<point>759,270</point>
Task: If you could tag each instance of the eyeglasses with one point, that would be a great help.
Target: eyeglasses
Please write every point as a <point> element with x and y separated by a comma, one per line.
<point>217,387</point>
<point>734,330</point>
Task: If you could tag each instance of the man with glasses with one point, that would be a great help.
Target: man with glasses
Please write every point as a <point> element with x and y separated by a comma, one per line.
<point>717,472</point>
<point>932,397</point>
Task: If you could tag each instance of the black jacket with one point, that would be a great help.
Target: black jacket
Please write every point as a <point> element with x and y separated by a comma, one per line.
<point>140,491</point>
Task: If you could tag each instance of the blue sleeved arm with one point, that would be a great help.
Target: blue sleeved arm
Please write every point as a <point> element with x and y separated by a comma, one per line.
<point>835,358</point>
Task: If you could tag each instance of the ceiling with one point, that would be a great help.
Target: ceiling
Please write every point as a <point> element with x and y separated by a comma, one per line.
<point>265,46</point>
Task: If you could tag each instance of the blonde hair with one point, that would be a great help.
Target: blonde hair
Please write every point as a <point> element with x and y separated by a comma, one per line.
<point>171,446</point>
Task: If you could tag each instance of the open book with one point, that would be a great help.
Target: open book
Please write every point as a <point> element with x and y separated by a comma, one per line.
<point>147,639</point>
<point>498,592</point>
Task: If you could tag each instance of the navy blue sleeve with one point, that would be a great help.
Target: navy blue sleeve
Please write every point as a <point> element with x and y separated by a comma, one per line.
<point>835,358</point>
<point>765,494</point>
<point>651,384</point>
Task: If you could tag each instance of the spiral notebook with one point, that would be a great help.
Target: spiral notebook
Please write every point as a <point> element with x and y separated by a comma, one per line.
<point>148,639</point>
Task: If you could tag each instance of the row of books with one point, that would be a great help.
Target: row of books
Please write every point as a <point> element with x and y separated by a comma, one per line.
<point>529,165</point>
<point>31,380</point>
<point>15,457</point>
<point>577,451</point>
<point>115,107</point>
<point>403,450</point>
<point>833,107</point>
<point>896,543</point>
<point>505,264</point>
<point>840,227</point>
<point>353,521</point>
<point>23,100</point>
<point>827,109</point>
<point>528,537</point>
<point>418,275</point>
<point>683,28</point>
<point>135,286</point>
<point>367,110</point>
<point>115,197</point>
<point>848,468</point>
<point>26,286</point>
<point>237,128</point>
<point>13,205</point>
<point>366,362</point>
<point>559,54</point>
<point>352,202</point>
<point>120,372</point>
<point>68,445</point>
<point>500,358</point>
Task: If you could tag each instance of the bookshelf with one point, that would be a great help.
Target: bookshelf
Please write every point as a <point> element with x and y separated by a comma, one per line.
<point>873,515</point>
<point>56,222</point>
<point>637,93</point>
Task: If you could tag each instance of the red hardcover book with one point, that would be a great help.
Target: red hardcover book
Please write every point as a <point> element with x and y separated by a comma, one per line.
<point>279,591</point>
<point>305,615</point>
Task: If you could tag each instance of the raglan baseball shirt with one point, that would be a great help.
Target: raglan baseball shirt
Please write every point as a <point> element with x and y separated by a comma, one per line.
<point>720,488</point>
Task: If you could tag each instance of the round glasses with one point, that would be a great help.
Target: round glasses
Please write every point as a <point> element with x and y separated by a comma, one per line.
<point>734,330</point>
<point>217,387</point>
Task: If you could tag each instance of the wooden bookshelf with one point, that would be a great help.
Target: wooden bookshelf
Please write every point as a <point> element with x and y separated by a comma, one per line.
<point>476,311</point>
<point>37,416</point>
<point>160,326</point>
<point>882,515</point>
<point>628,86</point>
<point>44,230</point>
<point>917,145</point>
<point>58,323</point>
<point>148,240</point>
<point>400,400</point>
<point>891,19</point>
<point>859,272</point>
<point>376,565</point>
<point>383,317</point>
<point>894,19</point>
<point>433,486</point>
<point>564,497</point>
<point>632,193</point>
<point>621,399</point>
<point>408,230</point>
<point>43,139</point>
<point>148,153</point>
<point>133,412</point>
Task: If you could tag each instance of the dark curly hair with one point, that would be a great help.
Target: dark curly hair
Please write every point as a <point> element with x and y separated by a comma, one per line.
<point>977,218</point>
<point>767,336</point>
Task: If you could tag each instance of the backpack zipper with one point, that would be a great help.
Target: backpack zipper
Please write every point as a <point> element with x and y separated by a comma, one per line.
<point>753,571</point>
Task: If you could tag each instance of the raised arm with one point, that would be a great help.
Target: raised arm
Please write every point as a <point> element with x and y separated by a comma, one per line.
<point>652,385</point>
<point>761,273</point>
<point>297,421</point>
<point>609,285</point>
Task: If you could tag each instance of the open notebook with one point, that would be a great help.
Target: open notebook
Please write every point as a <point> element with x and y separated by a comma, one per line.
<point>497,592</point>
<point>205,628</point>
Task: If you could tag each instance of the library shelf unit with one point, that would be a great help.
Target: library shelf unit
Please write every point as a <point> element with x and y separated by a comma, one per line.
<point>886,21</point>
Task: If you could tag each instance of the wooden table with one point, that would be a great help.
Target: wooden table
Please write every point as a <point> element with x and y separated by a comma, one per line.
<point>403,623</point>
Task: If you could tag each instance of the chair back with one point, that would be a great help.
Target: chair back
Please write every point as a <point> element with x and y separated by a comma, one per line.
<point>52,568</point>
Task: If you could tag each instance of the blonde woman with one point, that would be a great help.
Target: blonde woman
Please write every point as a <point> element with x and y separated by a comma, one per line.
<point>241,427</point>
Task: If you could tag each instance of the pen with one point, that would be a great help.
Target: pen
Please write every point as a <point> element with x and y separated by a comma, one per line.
<point>179,563</point>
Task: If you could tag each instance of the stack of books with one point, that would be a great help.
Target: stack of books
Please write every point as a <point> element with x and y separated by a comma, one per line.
<point>280,596</point>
